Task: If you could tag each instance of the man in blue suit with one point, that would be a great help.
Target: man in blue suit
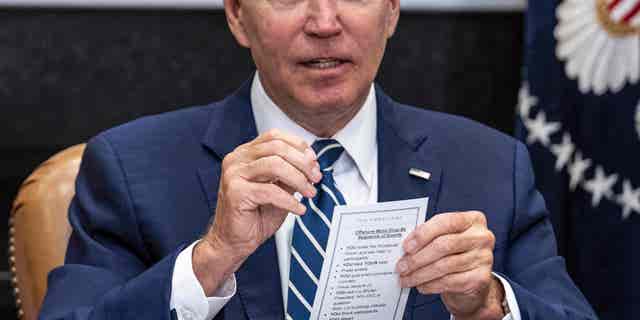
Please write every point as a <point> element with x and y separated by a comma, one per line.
<point>217,211</point>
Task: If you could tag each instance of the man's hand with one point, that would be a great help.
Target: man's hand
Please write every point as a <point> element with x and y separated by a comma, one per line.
<point>256,190</point>
<point>452,255</point>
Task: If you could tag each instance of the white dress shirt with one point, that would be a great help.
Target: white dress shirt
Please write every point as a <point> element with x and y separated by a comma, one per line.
<point>355,174</point>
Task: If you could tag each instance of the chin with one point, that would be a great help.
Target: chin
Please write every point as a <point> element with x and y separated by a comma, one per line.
<point>327,101</point>
<point>339,94</point>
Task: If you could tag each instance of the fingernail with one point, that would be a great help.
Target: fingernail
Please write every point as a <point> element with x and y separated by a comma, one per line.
<point>309,153</point>
<point>311,191</point>
<point>411,245</point>
<point>402,267</point>
<point>301,208</point>
<point>317,175</point>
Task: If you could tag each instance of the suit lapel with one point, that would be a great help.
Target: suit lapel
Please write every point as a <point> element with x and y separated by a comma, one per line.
<point>402,145</point>
<point>258,279</point>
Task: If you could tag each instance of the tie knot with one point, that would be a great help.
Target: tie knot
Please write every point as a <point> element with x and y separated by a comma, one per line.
<point>328,151</point>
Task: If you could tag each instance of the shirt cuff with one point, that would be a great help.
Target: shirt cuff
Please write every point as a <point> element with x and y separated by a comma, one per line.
<point>187,295</point>
<point>511,300</point>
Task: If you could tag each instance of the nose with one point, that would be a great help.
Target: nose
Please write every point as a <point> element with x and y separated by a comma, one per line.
<point>323,20</point>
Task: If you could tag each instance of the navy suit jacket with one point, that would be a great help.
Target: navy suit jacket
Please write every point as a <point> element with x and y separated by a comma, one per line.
<point>148,188</point>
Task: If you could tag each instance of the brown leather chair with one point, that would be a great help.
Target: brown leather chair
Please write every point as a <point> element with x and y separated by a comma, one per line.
<point>39,229</point>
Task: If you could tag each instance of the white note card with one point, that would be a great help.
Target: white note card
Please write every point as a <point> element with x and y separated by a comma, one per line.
<point>358,280</point>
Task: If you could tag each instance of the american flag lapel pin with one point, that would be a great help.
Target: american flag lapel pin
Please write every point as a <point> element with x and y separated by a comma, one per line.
<point>420,173</point>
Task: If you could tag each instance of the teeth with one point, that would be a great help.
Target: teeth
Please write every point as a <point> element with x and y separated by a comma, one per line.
<point>323,63</point>
<point>323,60</point>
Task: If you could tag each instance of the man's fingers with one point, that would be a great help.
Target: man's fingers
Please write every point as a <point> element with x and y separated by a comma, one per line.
<point>474,238</point>
<point>466,282</point>
<point>443,246</point>
<point>276,134</point>
<point>285,187</point>
<point>441,224</point>
<point>270,194</point>
<point>303,161</point>
<point>276,169</point>
<point>452,264</point>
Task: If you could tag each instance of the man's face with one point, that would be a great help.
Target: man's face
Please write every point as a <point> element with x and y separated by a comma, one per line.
<point>320,55</point>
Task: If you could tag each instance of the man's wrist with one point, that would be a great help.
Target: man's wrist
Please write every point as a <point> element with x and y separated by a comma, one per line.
<point>492,309</point>
<point>214,263</point>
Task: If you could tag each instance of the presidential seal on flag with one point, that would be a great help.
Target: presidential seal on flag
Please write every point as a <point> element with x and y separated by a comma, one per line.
<point>579,115</point>
<point>599,41</point>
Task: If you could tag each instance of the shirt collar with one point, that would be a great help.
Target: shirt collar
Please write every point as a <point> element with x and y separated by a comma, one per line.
<point>358,137</point>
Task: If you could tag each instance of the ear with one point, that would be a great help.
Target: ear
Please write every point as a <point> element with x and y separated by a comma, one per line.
<point>234,12</point>
<point>394,16</point>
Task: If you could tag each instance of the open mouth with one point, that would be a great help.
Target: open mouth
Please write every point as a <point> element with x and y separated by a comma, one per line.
<point>324,63</point>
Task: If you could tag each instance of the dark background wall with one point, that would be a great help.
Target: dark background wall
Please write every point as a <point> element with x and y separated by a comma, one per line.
<point>66,75</point>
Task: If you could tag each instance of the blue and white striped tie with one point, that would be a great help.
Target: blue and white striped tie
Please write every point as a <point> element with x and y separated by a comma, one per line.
<point>310,234</point>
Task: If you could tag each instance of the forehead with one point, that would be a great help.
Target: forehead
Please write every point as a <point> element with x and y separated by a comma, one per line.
<point>315,6</point>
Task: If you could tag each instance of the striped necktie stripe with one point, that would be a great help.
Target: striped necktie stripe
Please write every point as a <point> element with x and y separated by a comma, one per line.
<point>311,233</point>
